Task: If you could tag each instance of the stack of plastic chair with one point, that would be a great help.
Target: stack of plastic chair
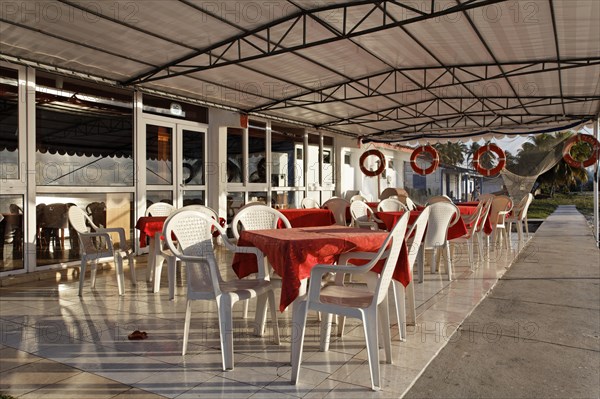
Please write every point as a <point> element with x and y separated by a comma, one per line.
<point>194,247</point>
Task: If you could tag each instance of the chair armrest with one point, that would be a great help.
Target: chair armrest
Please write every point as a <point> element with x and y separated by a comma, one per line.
<point>260,257</point>
<point>122,241</point>
<point>99,234</point>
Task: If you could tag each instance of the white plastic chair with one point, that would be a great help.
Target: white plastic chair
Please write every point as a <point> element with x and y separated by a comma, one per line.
<point>401,294</point>
<point>158,209</point>
<point>309,203</point>
<point>98,244</point>
<point>501,206</point>
<point>391,205</point>
<point>258,217</point>
<point>194,247</point>
<point>442,215</point>
<point>410,204</point>
<point>338,206</point>
<point>367,304</point>
<point>164,253</point>
<point>363,216</point>
<point>439,198</point>
<point>475,221</point>
<point>358,197</point>
<point>519,216</point>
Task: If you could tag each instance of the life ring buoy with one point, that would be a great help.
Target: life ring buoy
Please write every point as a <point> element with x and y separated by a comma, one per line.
<point>489,148</point>
<point>576,139</point>
<point>434,156</point>
<point>377,171</point>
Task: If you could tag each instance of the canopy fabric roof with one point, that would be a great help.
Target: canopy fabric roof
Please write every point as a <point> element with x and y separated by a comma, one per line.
<point>379,70</point>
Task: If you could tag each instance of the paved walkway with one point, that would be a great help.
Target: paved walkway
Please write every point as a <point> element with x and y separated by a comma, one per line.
<point>537,334</point>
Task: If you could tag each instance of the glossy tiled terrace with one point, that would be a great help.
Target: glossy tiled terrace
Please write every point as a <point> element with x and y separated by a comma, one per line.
<point>55,344</point>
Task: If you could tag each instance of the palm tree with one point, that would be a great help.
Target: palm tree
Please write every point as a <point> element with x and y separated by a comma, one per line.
<point>451,153</point>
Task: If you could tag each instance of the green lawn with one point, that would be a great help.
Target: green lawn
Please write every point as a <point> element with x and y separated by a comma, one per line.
<point>542,208</point>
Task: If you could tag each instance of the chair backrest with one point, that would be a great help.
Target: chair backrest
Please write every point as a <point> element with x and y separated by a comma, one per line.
<point>309,203</point>
<point>15,209</point>
<point>409,203</point>
<point>357,197</point>
<point>501,204</point>
<point>439,198</point>
<point>416,235</point>
<point>523,206</point>
<point>203,209</point>
<point>159,209</point>
<point>482,211</point>
<point>338,206</point>
<point>360,211</point>
<point>391,205</point>
<point>257,217</point>
<point>393,243</point>
<point>81,222</point>
<point>194,245</point>
<point>442,215</point>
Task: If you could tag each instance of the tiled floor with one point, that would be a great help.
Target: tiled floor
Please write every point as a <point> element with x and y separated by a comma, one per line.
<point>55,344</point>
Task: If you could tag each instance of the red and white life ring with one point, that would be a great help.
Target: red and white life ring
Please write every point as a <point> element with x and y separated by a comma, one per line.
<point>576,139</point>
<point>496,150</point>
<point>377,171</point>
<point>434,156</point>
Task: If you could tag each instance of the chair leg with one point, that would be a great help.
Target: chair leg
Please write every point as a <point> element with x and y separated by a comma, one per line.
<point>245,311</point>
<point>171,268</point>
<point>411,313</point>
<point>93,270</point>
<point>384,320</point>
<point>421,264</point>
<point>273,308</point>
<point>300,310</point>
<point>434,261</point>
<point>186,326</point>
<point>159,259</point>
<point>224,306</point>
<point>372,348</point>
<point>326,321</point>
<point>526,226</point>
<point>260,315</point>
<point>448,262</point>
<point>132,275</point>
<point>82,274</point>
<point>120,273</point>
<point>399,300</point>
<point>470,250</point>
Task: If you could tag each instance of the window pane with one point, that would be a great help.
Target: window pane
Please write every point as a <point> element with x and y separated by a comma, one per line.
<point>159,155</point>
<point>193,157</point>
<point>286,155</point>
<point>84,134</point>
<point>11,232</point>
<point>193,197</point>
<point>9,125</point>
<point>257,149</point>
<point>235,159</point>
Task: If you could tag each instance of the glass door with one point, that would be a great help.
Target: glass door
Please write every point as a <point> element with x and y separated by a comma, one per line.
<point>191,170</point>
<point>175,162</point>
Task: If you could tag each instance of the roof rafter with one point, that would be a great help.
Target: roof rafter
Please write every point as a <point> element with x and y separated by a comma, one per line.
<point>231,50</point>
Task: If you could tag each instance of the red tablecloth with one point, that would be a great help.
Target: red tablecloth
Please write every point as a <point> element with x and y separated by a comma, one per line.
<point>293,252</point>
<point>308,217</point>
<point>149,225</point>
<point>390,219</point>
